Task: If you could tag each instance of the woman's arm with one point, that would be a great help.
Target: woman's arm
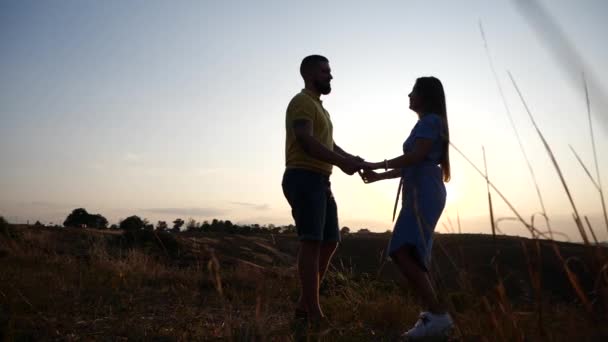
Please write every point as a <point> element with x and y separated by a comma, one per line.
<point>422,147</point>
<point>369,176</point>
<point>395,173</point>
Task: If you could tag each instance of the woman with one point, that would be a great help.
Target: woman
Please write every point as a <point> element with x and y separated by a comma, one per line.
<point>424,166</point>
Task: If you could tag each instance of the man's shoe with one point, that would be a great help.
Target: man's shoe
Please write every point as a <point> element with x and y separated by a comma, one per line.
<point>430,325</point>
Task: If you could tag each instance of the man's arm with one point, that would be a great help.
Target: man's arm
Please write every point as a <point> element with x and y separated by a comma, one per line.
<point>340,151</point>
<point>303,131</point>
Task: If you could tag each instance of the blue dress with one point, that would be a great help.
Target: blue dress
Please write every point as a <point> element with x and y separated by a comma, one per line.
<point>423,194</point>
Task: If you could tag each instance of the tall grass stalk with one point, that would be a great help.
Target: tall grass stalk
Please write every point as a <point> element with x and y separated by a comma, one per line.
<point>532,230</point>
<point>490,207</point>
<point>573,279</point>
<point>591,230</point>
<point>597,186</point>
<point>577,218</point>
<point>497,327</point>
<point>521,145</point>
<point>580,161</point>
<point>447,228</point>
<point>534,271</point>
<point>597,168</point>
<point>451,225</point>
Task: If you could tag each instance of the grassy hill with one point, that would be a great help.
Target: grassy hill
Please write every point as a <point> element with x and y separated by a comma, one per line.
<point>80,284</point>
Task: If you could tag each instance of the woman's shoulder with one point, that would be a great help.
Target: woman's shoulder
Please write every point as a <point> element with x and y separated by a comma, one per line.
<point>431,117</point>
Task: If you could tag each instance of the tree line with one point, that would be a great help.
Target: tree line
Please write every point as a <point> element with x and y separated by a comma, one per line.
<point>81,218</point>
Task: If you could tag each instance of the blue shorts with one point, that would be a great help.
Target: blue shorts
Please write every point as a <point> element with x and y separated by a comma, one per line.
<point>313,206</point>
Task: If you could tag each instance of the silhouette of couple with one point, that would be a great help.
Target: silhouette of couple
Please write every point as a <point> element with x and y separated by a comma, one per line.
<point>424,166</point>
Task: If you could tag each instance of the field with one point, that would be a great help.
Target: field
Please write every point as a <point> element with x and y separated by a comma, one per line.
<point>84,284</point>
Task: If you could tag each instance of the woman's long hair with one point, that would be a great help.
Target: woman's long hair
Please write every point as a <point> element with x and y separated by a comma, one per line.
<point>431,92</point>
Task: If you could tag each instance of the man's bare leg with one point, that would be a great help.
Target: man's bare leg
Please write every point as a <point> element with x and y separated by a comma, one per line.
<point>326,252</point>
<point>308,271</point>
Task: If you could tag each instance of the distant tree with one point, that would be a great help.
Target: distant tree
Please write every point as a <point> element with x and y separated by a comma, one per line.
<point>97,221</point>
<point>81,218</point>
<point>229,227</point>
<point>147,225</point>
<point>363,231</point>
<point>177,224</point>
<point>217,225</point>
<point>162,226</point>
<point>345,230</point>
<point>245,229</point>
<point>78,218</point>
<point>192,225</point>
<point>38,224</point>
<point>3,226</point>
<point>132,223</point>
<point>289,229</point>
<point>205,226</point>
<point>7,231</point>
<point>114,226</point>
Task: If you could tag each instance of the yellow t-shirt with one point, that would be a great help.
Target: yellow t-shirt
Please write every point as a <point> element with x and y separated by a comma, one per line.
<point>305,105</point>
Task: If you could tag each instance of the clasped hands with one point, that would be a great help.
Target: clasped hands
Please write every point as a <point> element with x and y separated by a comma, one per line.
<point>365,169</point>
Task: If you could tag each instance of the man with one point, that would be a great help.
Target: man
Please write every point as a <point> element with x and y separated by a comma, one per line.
<point>310,153</point>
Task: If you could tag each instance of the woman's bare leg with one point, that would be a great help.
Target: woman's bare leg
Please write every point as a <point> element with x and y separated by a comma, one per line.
<point>419,278</point>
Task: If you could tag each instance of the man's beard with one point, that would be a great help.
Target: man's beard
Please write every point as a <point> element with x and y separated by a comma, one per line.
<point>323,87</point>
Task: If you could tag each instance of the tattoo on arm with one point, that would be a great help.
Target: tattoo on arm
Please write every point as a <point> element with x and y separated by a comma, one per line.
<point>301,126</point>
<point>302,129</point>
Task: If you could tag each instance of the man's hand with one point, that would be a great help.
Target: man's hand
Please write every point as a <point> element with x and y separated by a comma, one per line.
<point>351,165</point>
<point>369,176</point>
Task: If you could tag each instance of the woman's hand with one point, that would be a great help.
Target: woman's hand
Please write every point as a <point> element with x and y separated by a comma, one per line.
<point>370,176</point>
<point>367,166</point>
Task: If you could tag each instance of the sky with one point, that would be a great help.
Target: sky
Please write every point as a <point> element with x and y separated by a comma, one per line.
<point>168,109</point>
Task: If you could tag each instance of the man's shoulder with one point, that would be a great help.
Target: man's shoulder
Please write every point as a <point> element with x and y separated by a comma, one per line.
<point>301,100</point>
<point>301,97</point>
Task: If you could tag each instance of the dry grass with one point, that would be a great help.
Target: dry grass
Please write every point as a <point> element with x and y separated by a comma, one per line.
<point>83,285</point>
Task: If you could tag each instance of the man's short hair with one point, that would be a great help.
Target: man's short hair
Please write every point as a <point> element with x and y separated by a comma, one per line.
<point>309,62</point>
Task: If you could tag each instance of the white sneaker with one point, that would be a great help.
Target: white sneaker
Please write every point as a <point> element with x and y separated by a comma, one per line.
<point>430,325</point>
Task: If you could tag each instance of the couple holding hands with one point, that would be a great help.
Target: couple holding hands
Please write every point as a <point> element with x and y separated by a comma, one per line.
<point>424,166</point>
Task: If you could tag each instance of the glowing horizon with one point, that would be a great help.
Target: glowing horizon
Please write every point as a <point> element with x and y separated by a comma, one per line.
<point>167,111</point>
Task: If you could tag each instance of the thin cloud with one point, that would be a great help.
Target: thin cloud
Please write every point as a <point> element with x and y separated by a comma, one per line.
<point>132,157</point>
<point>252,205</point>
<point>187,211</point>
<point>50,205</point>
<point>211,171</point>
